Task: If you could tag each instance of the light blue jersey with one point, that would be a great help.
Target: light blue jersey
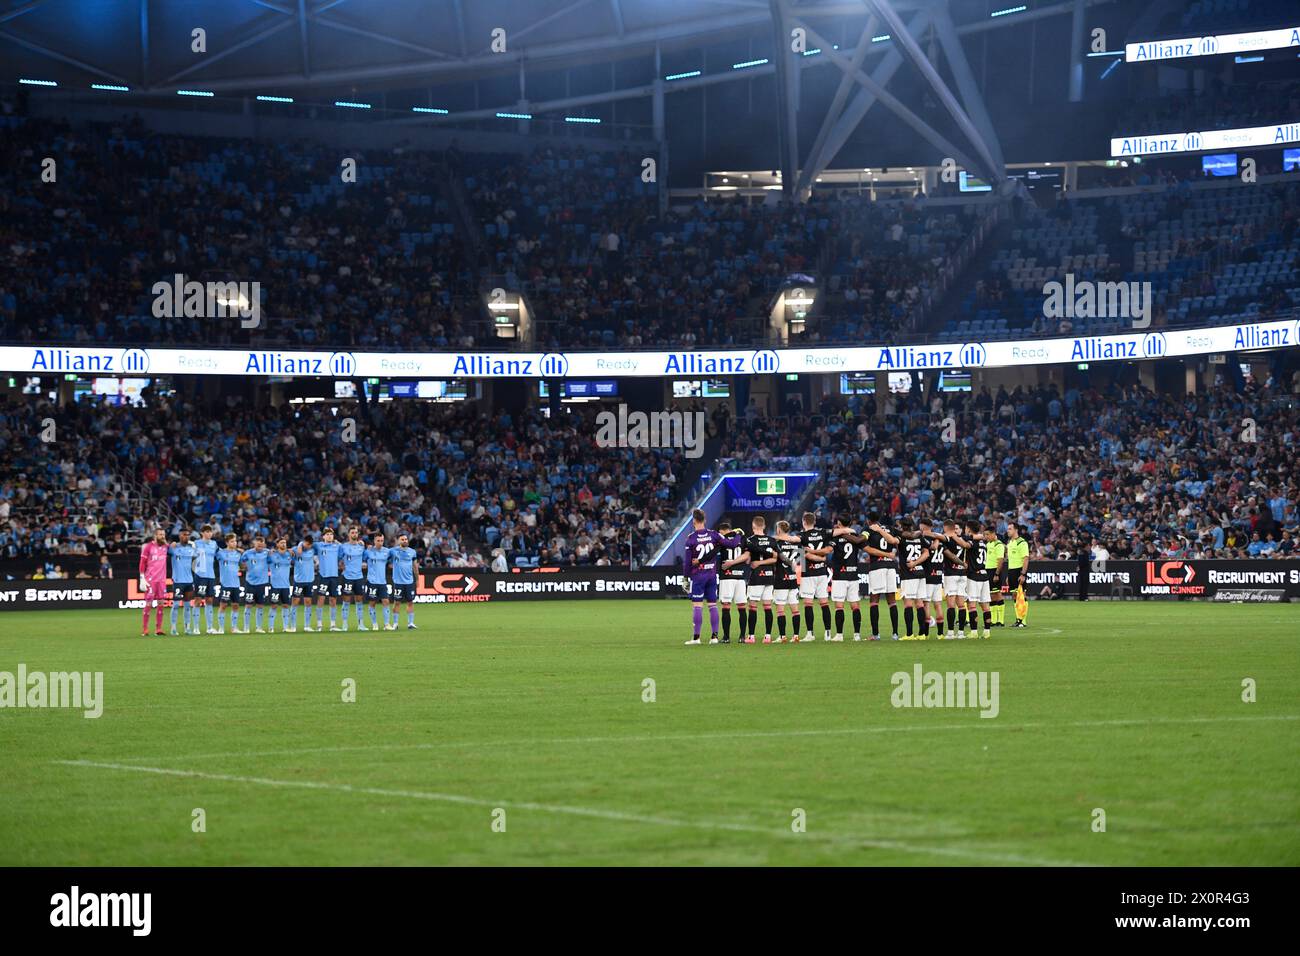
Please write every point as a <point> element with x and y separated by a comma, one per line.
<point>328,553</point>
<point>205,554</point>
<point>304,567</point>
<point>352,555</point>
<point>377,565</point>
<point>403,565</point>
<point>228,561</point>
<point>182,563</point>
<point>258,566</point>
<point>281,562</point>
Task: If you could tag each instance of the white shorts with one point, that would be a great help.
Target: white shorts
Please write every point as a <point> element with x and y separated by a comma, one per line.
<point>883,580</point>
<point>731,590</point>
<point>934,591</point>
<point>977,591</point>
<point>842,590</point>
<point>760,592</point>
<point>781,596</point>
<point>913,588</point>
<point>814,587</point>
<point>954,585</point>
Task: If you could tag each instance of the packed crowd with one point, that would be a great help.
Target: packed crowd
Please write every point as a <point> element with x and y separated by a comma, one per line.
<point>1126,474</point>
<point>471,490</point>
<point>374,262</point>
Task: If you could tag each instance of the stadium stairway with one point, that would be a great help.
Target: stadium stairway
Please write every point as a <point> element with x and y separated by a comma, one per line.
<point>947,309</point>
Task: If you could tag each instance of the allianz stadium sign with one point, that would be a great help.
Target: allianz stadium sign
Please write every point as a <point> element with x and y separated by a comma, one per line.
<point>1131,346</point>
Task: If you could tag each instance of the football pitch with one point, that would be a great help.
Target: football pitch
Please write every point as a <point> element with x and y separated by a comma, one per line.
<point>583,732</point>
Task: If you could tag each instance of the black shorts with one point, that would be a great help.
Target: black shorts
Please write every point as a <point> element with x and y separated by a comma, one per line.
<point>229,595</point>
<point>402,592</point>
<point>279,595</point>
<point>303,591</point>
<point>205,587</point>
<point>326,587</point>
<point>376,592</point>
<point>1013,578</point>
<point>257,593</point>
<point>351,588</point>
<point>182,592</point>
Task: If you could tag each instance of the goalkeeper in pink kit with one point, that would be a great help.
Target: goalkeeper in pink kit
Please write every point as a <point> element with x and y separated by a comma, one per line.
<point>153,580</point>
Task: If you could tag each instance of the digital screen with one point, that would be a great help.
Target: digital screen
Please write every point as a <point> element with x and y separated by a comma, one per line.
<point>344,389</point>
<point>857,383</point>
<point>111,391</point>
<point>700,388</point>
<point>581,388</point>
<point>958,381</point>
<point>1290,160</point>
<point>769,486</point>
<point>970,184</point>
<point>1220,164</point>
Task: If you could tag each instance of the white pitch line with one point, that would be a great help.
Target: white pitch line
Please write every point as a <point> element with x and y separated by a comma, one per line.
<point>974,724</point>
<point>617,815</point>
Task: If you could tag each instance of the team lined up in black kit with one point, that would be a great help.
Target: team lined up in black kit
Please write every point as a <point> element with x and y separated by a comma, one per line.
<point>951,576</point>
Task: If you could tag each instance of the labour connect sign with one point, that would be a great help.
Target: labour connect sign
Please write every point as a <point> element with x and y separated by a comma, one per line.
<point>612,365</point>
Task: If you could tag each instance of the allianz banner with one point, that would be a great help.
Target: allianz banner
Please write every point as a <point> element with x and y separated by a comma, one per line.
<point>1193,578</point>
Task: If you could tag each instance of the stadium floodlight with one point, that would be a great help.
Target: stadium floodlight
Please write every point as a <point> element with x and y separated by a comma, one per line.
<point>110,87</point>
<point>276,99</point>
<point>26,82</point>
<point>428,109</point>
<point>195,93</point>
<point>1008,11</point>
<point>748,63</point>
<point>517,116</point>
<point>581,119</point>
<point>352,106</point>
<point>682,76</point>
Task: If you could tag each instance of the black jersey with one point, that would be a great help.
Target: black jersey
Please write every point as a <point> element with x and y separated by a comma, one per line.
<point>787,565</point>
<point>877,540</point>
<point>912,549</point>
<point>761,546</point>
<point>844,559</point>
<point>814,539</point>
<point>976,558</point>
<point>734,549</point>
<point>934,565</point>
<point>955,568</point>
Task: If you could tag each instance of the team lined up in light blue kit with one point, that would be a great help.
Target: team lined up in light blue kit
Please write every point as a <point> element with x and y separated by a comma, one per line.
<point>327,571</point>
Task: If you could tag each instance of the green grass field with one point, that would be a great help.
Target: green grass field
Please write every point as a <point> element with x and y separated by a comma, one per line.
<point>536,708</point>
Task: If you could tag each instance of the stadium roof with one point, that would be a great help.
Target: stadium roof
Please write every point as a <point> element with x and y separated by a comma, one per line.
<point>293,44</point>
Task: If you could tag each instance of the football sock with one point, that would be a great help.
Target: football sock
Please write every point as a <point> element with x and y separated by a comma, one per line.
<point>697,618</point>
<point>988,620</point>
<point>875,619</point>
<point>826,617</point>
<point>907,620</point>
<point>923,622</point>
<point>857,620</point>
<point>893,618</point>
<point>952,619</point>
<point>713,619</point>
<point>175,609</point>
<point>767,620</point>
<point>839,620</point>
<point>753,621</point>
<point>780,625</point>
<point>808,618</point>
<point>207,613</point>
<point>726,622</point>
